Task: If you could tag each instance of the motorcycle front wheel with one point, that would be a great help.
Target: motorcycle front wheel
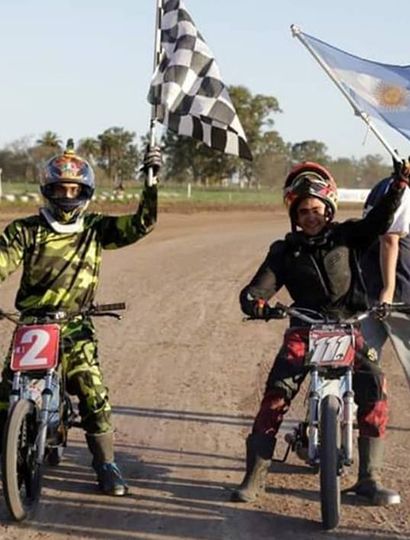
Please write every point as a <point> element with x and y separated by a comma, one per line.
<point>330,498</point>
<point>21,474</point>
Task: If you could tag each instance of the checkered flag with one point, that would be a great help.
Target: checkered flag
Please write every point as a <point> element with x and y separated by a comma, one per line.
<point>187,88</point>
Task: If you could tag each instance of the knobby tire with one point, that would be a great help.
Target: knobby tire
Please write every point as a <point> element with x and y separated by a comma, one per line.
<point>330,498</point>
<point>21,475</point>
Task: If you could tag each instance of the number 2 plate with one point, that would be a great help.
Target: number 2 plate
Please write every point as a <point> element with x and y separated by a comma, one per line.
<point>35,347</point>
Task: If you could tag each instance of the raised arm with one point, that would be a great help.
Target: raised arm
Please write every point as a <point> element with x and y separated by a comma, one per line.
<point>362,233</point>
<point>119,231</point>
<point>390,246</point>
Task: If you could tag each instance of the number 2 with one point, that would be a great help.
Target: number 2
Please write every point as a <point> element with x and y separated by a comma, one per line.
<point>35,347</point>
<point>39,340</point>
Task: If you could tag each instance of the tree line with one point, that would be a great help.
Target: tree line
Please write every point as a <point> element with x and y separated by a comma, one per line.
<point>116,154</point>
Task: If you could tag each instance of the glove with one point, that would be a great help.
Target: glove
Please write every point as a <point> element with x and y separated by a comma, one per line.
<point>277,312</point>
<point>260,309</point>
<point>381,310</point>
<point>152,159</point>
<point>401,172</point>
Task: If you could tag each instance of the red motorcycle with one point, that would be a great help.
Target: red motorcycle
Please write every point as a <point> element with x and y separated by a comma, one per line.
<point>325,438</point>
<point>40,411</point>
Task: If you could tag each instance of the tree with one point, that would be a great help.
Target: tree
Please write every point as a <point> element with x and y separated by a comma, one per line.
<point>51,140</point>
<point>346,172</point>
<point>89,148</point>
<point>188,159</point>
<point>310,150</point>
<point>271,162</point>
<point>372,169</point>
<point>255,114</point>
<point>118,155</point>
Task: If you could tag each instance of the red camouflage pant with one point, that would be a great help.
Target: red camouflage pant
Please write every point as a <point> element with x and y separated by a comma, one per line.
<point>288,372</point>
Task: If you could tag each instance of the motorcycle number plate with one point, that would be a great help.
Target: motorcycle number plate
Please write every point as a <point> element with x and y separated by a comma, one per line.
<point>331,347</point>
<point>35,347</point>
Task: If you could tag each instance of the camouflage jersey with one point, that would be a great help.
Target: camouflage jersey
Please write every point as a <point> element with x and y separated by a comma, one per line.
<point>61,270</point>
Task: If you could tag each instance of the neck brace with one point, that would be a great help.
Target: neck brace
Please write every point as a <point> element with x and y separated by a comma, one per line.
<point>76,227</point>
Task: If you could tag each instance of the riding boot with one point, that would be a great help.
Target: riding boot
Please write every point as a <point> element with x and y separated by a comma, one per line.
<point>101,446</point>
<point>371,451</point>
<point>259,452</point>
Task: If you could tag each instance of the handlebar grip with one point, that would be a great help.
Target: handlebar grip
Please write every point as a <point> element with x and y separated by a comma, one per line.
<point>277,312</point>
<point>110,307</point>
<point>402,309</point>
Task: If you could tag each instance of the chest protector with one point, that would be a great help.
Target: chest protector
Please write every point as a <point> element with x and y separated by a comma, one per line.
<point>323,273</point>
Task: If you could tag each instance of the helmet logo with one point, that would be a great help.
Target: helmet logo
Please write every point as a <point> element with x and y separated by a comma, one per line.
<point>69,168</point>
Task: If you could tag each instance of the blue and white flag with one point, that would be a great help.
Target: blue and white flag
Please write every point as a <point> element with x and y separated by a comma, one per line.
<point>380,90</point>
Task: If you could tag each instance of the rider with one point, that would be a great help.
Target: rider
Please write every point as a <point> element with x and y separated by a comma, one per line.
<point>386,269</point>
<point>318,264</point>
<point>59,250</point>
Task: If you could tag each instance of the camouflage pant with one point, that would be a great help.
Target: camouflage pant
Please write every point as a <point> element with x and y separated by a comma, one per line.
<point>82,373</point>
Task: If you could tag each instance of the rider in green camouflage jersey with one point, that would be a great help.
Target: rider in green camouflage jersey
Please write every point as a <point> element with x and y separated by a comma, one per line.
<point>60,252</point>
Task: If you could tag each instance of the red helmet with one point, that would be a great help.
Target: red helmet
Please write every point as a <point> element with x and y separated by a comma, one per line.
<point>309,179</point>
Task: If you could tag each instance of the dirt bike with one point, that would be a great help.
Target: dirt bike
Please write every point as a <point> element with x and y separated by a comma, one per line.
<point>325,438</point>
<point>40,410</point>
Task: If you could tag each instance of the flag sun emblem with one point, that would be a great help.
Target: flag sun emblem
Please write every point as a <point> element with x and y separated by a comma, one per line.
<point>392,96</point>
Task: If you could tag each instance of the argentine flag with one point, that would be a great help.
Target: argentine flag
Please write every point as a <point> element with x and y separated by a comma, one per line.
<point>379,90</point>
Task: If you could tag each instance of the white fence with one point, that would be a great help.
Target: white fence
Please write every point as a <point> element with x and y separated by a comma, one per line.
<point>353,195</point>
<point>345,195</point>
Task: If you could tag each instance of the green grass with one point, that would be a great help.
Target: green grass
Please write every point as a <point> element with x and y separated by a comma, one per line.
<point>226,195</point>
<point>170,193</point>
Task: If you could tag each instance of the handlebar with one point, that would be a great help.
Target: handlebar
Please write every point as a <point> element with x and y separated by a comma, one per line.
<point>108,307</point>
<point>61,316</point>
<point>106,310</point>
<point>311,316</point>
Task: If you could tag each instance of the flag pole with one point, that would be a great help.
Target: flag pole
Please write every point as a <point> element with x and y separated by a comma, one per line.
<point>297,32</point>
<point>157,57</point>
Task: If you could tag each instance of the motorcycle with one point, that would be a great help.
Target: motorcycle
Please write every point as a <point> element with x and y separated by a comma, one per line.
<point>40,409</point>
<point>325,438</point>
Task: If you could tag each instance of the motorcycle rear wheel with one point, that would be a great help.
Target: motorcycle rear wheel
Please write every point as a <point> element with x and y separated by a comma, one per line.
<point>330,498</point>
<point>21,474</point>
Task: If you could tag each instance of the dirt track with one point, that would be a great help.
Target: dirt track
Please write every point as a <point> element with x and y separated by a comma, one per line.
<point>186,375</point>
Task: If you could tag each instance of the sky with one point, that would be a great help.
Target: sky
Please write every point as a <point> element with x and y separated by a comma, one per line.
<point>79,67</point>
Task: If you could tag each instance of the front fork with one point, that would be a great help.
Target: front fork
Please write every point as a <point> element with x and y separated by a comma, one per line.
<point>46,397</point>
<point>313,418</point>
<point>309,430</point>
<point>348,420</point>
<point>19,391</point>
<point>343,389</point>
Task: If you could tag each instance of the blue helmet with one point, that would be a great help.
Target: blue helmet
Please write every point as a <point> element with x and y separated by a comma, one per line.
<point>67,168</point>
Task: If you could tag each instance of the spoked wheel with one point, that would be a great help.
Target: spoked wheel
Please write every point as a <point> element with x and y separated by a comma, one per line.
<point>329,462</point>
<point>21,472</point>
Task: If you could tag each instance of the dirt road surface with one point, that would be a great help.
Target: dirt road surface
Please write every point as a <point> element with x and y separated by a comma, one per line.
<point>186,375</point>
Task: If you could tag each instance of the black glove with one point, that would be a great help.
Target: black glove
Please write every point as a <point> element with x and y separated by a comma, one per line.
<point>152,159</point>
<point>277,312</point>
<point>401,171</point>
<point>381,310</point>
<point>260,309</point>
